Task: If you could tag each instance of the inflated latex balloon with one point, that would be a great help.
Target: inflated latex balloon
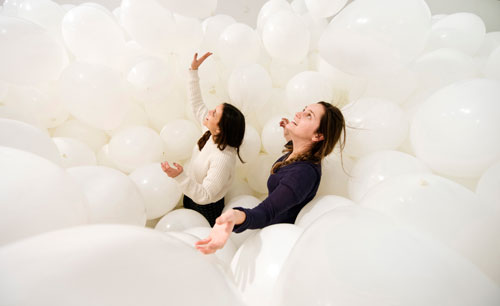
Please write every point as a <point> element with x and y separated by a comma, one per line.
<point>270,8</point>
<point>395,88</point>
<point>286,38</point>
<point>160,192</point>
<point>212,28</point>
<point>92,35</point>
<point>74,153</point>
<point>258,262</point>
<point>373,124</point>
<point>179,137</point>
<point>491,68</point>
<point>151,80</point>
<point>181,219</point>
<point>187,36</point>
<point>23,136</point>
<point>163,111</point>
<point>491,42</point>
<point>36,196</point>
<point>135,116</point>
<point>379,166</point>
<point>238,187</point>
<point>281,73</point>
<point>487,186</point>
<point>259,171</point>
<point>453,132</point>
<point>250,148</point>
<point>324,8</point>
<point>112,196</point>
<point>445,210</point>
<point>37,57</point>
<point>335,171</point>
<point>362,258</point>
<point>143,265</point>
<point>246,201</point>
<point>192,8</point>
<point>461,31</point>
<point>249,87</point>
<point>94,94</point>
<point>442,67</point>
<point>393,31</point>
<point>318,207</point>
<point>148,23</point>
<point>238,45</point>
<point>306,88</point>
<point>45,13</point>
<point>273,140</point>
<point>94,138</point>
<point>315,26</point>
<point>103,158</point>
<point>134,147</point>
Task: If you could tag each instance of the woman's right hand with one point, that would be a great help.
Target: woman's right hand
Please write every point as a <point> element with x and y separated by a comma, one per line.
<point>198,61</point>
<point>286,133</point>
<point>220,232</point>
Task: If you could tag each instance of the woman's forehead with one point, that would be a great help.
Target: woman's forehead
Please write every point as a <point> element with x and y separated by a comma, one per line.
<point>316,108</point>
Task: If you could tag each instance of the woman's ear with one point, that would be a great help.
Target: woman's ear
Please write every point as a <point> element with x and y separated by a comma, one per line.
<point>318,137</point>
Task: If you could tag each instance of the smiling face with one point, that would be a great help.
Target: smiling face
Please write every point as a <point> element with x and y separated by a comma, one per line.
<point>305,123</point>
<point>213,118</point>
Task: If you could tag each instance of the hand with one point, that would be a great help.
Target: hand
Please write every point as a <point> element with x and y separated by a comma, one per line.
<point>170,171</point>
<point>197,62</point>
<point>286,133</point>
<point>220,233</point>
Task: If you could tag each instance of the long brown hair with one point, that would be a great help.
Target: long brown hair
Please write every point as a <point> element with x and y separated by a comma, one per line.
<point>332,127</point>
<point>232,130</point>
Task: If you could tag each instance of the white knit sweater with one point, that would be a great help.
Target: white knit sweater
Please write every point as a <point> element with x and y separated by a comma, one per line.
<point>211,170</point>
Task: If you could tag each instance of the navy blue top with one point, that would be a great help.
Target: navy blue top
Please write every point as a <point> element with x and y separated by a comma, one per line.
<point>290,188</point>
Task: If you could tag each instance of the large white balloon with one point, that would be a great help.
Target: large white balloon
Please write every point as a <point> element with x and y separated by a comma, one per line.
<point>306,88</point>
<point>379,166</point>
<point>318,207</point>
<point>36,196</point>
<point>45,13</point>
<point>160,192</point>
<point>95,94</point>
<point>23,136</point>
<point>250,148</point>
<point>362,258</point>
<point>444,210</point>
<point>179,137</point>
<point>192,8</point>
<point>143,266</point>
<point>134,147</point>
<point>258,262</point>
<point>335,172</point>
<point>212,28</point>
<point>491,69</point>
<point>324,8</point>
<point>270,8</point>
<point>487,186</point>
<point>273,140</point>
<point>37,57</point>
<point>259,171</point>
<point>394,32</point>
<point>238,45</point>
<point>249,87</point>
<point>112,196</point>
<point>151,80</point>
<point>93,137</point>
<point>286,37</point>
<point>454,132</point>
<point>74,153</point>
<point>181,219</point>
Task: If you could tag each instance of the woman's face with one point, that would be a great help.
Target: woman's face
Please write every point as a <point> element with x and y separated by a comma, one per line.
<point>305,123</point>
<point>213,118</point>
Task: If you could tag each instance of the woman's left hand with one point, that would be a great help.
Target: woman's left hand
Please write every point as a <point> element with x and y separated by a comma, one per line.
<point>171,171</point>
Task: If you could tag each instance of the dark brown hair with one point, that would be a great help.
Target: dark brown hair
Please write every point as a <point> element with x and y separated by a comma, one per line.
<point>332,127</point>
<point>232,130</point>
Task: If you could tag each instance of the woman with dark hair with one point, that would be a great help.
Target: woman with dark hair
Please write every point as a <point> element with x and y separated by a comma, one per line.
<point>294,178</point>
<point>213,161</point>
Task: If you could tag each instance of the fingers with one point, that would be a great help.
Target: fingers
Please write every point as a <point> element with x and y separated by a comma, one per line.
<point>195,57</point>
<point>206,250</point>
<point>178,166</point>
<point>204,57</point>
<point>203,241</point>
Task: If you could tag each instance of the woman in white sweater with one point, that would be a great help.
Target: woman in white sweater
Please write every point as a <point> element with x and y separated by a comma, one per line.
<point>213,161</point>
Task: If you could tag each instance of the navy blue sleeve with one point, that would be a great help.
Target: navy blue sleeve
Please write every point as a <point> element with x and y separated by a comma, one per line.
<point>292,190</point>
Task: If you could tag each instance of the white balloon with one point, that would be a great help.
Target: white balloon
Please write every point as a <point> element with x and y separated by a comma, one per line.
<point>379,166</point>
<point>273,140</point>
<point>23,136</point>
<point>306,88</point>
<point>181,219</point>
<point>238,45</point>
<point>187,36</point>
<point>491,69</point>
<point>112,196</point>
<point>250,148</point>
<point>192,8</point>
<point>259,171</point>
<point>487,186</point>
<point>286,38</point>
<point>318,207</point>
<point>134,147</point>
<point>258,262</point>
<point>74,153</point>
<point>36,196</point>
<point>397,88</point>
<point>45,13</point>
<point>325,8</point>
<point>491,42</point>
<point>151,80</point>
<point>160,192</point>
<point>394,31</point>
<point>461,31</point>
<point>249,87</point>
<point>94,94</point>
<point>362,258</point>
<point>179,137</point>
<point>446,211</point>
<point>135,116</point>
<point>37,57</point>
<point>373,124</point>
<point>453,132</point>
<point>143,265</point>
<point>212,28</point>
<point>335,172</point>
<point>270,8</point>
<point>103,158</point>
<point>93,137</point>
<point>165,110</point>
<point>281,73</point>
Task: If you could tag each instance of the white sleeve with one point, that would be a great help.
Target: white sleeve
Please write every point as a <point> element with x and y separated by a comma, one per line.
<point>199,108</point>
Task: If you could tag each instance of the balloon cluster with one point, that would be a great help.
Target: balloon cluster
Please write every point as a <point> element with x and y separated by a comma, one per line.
<point>92,100</point>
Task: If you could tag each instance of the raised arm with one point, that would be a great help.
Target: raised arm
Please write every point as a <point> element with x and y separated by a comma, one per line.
<point>194,92</point>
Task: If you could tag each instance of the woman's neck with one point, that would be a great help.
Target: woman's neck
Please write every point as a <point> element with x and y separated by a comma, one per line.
<point>299,147</point>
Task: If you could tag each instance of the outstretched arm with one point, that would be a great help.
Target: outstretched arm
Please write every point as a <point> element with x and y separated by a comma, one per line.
<point>194,92</point>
